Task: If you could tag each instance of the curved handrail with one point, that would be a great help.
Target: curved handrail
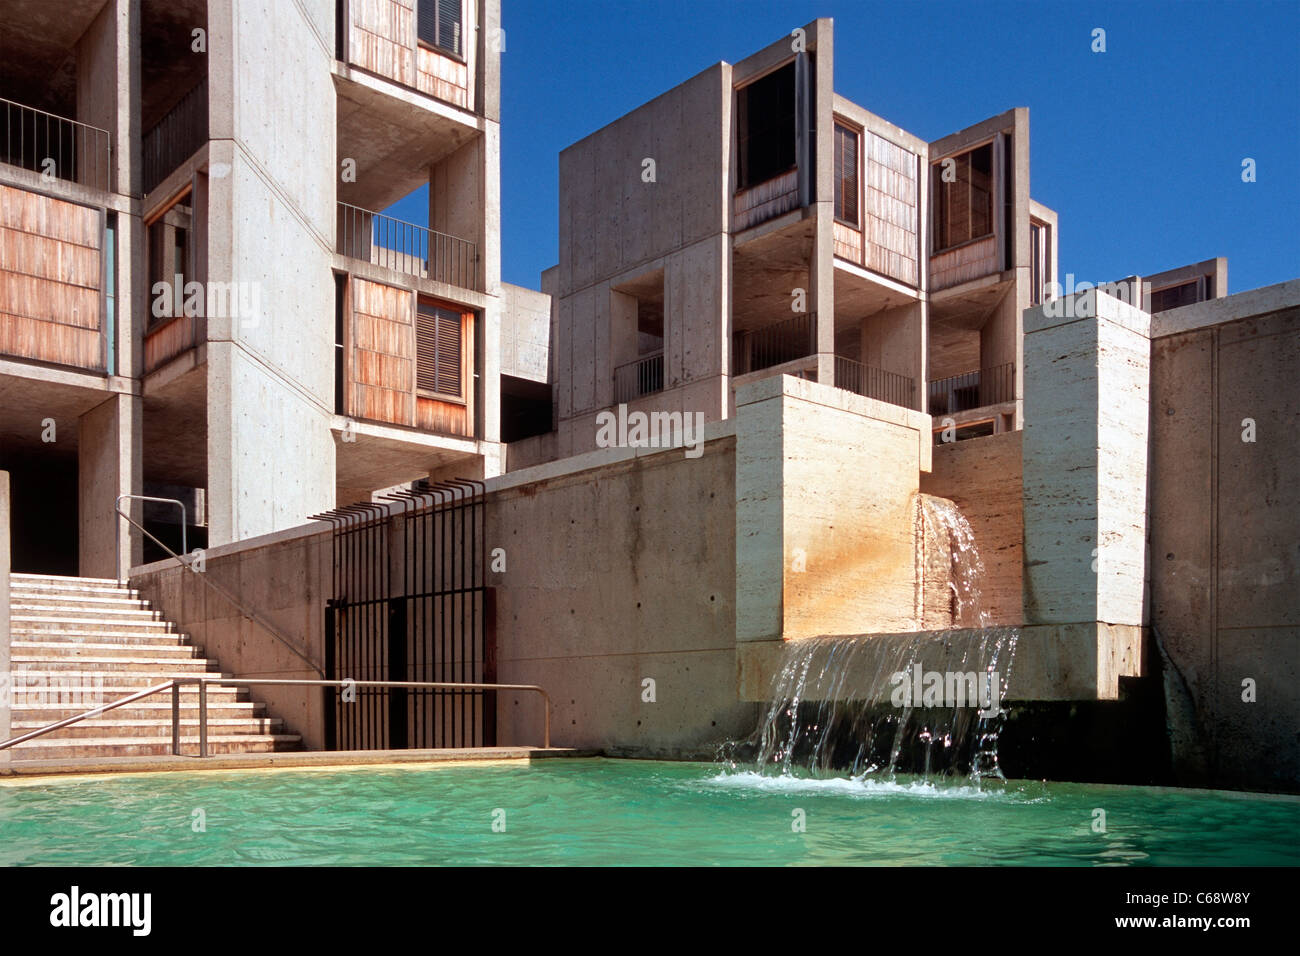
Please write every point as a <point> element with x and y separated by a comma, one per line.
<point>234,601</point>
<point>176,683</point>
<point>117,528</point>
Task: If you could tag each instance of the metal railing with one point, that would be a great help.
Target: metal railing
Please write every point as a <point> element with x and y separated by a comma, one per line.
<point>876,383</point>
<point>642,377</point>
<point>117,526</point>
<point>176,137</point>
<point>970,390</point>
<point>785,341</point>
<point>248,615</point>
<point>407,248</point>
<point>46,143</point>
<point>175,685</point>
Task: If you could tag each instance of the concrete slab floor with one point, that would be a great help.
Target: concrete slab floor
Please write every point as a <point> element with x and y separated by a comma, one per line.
<point>34,770</point>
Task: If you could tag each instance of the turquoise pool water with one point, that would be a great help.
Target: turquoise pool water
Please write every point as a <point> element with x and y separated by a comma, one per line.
<point>625,812</point>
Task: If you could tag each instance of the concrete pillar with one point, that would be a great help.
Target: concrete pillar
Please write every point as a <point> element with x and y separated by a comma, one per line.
<point>1087,383</point>
<point>109,448</point>
<point>6,680</point>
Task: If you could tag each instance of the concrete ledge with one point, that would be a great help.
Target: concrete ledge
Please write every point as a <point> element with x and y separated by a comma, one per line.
<point>316,759</point>
<point>1052,662</point>
<point>1199,315</point>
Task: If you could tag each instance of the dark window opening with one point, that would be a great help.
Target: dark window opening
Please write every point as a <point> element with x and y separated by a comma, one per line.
<point>963,208</point>
<point>439,24</point>
<point>1177,295</point>
<point>963,432</point>
<point>438,351</point>
<point>525,408</point>
<point>846,175</point>
<point>765,126</point>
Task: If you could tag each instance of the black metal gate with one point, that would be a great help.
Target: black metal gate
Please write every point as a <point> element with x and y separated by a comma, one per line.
<point>409,603</point>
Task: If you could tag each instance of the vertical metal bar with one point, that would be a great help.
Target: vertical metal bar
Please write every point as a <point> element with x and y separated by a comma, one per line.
<point>176,718</point>
<point>203,718</point>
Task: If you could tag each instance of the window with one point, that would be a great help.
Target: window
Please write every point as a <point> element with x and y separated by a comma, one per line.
<point>765,128</point>
<point>438,351</point>
<point>1040,242</point>
<point>963,208</point>
<point>438,23</point>
<point>846,175</point>
<point>1175,296</point>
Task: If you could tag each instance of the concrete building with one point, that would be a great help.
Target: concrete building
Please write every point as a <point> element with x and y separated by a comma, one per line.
<point>200,297</point>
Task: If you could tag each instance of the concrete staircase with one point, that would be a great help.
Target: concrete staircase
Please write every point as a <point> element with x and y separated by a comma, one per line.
<point>78,643</point>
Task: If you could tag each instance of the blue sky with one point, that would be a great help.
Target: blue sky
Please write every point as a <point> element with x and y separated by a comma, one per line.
<point>1139,149</point>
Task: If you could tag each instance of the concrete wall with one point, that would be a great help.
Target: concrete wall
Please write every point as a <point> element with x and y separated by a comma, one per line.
<point>525,333</point>
<point>271,375</point>
<point>109,453</point>
<point>284,578</point>
<point>1225,518</point>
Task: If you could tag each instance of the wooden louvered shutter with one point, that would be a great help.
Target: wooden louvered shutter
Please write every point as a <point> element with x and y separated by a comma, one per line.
<point>846,175</point>
<point>438,23</point>
<point>438,351</point>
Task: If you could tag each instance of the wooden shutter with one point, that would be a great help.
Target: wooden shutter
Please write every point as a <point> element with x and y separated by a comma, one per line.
<point>438,351</point>
<point>846,175</point>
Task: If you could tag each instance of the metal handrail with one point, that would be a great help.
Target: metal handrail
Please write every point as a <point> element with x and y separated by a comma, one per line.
<point>643,376</point>
<point>117,528</point>
<point>406,247</point>
<point>83,147</point>
<point>176,683</point>
<point>252,616</point>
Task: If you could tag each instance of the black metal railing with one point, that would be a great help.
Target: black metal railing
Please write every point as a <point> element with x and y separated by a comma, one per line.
<point>62,148</point>
<point>642,377</point>
<point>785,341</point>
<point>977,389</point>
<point>407,248</point>
<point>877,383</point>
<point>176,137</point>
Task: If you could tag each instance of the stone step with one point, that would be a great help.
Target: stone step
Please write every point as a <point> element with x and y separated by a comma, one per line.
<point>91,650</point>
<point>72,612</point>
<point>110,725</point>
<point>152,638</point>
<point>35,624</point>
<point>94,690</point>
<point>151,708</point>
<point>50,749</point>
<point>57,580</point>
<point>42,675</point>
<point>58,601</point>
<point>106,666</point>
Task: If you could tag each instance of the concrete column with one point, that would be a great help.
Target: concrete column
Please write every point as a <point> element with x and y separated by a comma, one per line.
<point>1087,383</point>
<point>109,440</point>
<point>6,681</point>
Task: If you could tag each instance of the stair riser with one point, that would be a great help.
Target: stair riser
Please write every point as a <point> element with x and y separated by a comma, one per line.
<point>142,628</point>
<point>53,651</point>
<point>72,594</point>
<point>156,729</point>
<point>189,746</point>
<point>138,674</point>
<point>116,605</point>
<point>98,614</point>
<point>79,698</point>
<point>227,710</point>
<point>72,639</point>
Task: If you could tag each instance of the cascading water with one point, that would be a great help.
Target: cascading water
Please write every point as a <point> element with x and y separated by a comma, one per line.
<point>925,702</point>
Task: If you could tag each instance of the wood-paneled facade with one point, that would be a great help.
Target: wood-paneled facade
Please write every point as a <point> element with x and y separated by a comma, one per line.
<point>885,239</point>
<point>52,280</point>
<point>379,365</point>
<point>382,40</point>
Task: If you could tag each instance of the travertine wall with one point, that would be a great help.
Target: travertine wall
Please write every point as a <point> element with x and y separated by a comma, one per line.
<point>982,476</point>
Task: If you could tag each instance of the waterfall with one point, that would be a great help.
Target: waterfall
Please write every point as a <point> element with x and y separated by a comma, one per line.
<point>880,704</point>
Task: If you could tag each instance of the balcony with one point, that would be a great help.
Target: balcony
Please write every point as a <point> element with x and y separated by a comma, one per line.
<point>971,390</point>
<point>176,137</point>
<point>776,344</point>
<point>406,248</point>
<point>645,376</point>
<point>63,148</point>
<point>877,383</point>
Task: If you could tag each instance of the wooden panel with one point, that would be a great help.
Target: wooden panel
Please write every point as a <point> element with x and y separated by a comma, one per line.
<point>50,284</point>
<point>891,200</point>
<point>165,342</point>
<point>382,38</point>
<point>449,418</point>
<point>848,243</point>
<point>380,370</point>
<point>443,77</point>
<point>766,200</point>
<point>971,261</point>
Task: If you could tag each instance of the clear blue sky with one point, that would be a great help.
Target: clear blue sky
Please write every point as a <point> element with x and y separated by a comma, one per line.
<point>1139,149</point>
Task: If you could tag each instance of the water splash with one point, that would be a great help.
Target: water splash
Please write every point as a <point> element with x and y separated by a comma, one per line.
<point>838,704</point>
